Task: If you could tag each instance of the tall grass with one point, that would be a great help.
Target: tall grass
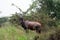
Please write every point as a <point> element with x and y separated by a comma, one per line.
<point>11,32</point>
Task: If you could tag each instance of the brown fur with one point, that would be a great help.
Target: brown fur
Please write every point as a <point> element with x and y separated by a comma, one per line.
<point>32,25</point>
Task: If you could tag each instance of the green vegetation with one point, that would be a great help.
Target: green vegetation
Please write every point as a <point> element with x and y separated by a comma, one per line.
<point>47,12</point>
<point>3,20</point>
<point>8,32</point>
<point>11,32</point>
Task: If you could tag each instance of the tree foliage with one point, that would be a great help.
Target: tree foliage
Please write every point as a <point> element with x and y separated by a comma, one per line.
<point>44,11</point>
<point>3,20</point>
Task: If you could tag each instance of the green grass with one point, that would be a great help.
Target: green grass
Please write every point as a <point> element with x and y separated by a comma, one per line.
<point>10,32</point>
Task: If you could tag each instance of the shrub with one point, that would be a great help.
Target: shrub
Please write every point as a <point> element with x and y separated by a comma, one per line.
<point>56,35</point>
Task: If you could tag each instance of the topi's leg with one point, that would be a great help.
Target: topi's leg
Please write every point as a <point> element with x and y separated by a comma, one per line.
<point>38,29</point>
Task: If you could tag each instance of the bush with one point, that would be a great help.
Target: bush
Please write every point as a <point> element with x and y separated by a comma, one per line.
<point>56,35</point>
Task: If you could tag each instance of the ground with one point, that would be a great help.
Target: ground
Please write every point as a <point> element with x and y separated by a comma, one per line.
<point>11,32</point>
